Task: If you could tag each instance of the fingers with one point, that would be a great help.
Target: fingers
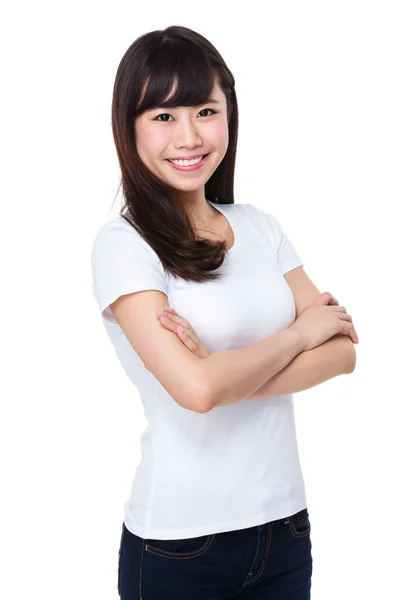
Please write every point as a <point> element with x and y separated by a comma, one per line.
<point>337,308</point>
<point>344,316</point>
<point>173,321</point>
<point>173,316</point>
<point>188,341</point>
<point>354,335</point>
<point>348,329</point>
<point>326,298</point>
<point>188,336</point>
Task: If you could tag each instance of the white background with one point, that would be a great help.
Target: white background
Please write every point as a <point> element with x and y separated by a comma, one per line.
<point>326,143</point>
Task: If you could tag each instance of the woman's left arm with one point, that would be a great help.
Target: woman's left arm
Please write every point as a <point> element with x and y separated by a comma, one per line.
<point>337,356</point>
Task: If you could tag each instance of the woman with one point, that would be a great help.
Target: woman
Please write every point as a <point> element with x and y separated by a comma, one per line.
<point>218,506</point>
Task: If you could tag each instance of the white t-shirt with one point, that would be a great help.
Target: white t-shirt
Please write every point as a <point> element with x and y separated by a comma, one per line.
<point>235,466</point>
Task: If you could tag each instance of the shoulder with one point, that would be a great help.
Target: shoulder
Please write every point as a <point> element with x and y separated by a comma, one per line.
<point>266,223</point>
<point>117,235</point>
<point>250,211</point>
<point>117,226</point>
<point>262,220</point>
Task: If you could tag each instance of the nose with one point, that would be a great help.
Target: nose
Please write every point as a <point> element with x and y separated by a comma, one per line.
<point>187,135</point>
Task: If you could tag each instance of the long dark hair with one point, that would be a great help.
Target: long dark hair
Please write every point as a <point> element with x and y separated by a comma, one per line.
<point>159,58</point>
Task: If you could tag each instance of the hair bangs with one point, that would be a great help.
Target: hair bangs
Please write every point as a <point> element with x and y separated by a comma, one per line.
<point>182,68</point>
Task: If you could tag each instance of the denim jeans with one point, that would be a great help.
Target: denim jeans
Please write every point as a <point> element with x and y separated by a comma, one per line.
<point>264,562</point>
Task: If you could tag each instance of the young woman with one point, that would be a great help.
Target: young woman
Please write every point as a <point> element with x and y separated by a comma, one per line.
<point>217,508</point>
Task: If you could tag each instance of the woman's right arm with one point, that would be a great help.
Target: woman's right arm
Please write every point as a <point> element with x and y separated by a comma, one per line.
<point>199,384</point>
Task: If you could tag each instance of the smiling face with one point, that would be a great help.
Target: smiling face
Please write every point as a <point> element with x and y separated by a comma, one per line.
<point>184,131</point>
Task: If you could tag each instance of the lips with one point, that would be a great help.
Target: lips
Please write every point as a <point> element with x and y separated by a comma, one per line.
<point>189,168</point>
<point>188,157</point>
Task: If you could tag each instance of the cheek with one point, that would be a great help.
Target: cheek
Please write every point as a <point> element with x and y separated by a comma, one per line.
<point>220,135</point>
<point>217,133</point>
<point>150,141</point>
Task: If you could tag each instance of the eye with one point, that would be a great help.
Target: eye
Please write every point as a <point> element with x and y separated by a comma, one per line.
<point>168,115</point>
<point>162,115</point>
<point>211,110</point>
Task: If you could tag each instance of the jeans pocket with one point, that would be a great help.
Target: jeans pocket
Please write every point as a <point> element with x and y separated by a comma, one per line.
<point>180,549</point>
<point>300,524</point>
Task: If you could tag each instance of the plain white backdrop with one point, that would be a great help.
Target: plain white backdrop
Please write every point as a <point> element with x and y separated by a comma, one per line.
<point>326,143</point>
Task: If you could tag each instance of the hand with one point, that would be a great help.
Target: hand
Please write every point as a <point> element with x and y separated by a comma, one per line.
<point>332,301</point>
<point>183,330</point>
<point>321,320</point>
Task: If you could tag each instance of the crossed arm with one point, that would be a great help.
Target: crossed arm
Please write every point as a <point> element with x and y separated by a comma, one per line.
<point>337,356</point>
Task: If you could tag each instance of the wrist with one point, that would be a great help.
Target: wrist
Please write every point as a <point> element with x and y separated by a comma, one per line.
<point>300,340</point>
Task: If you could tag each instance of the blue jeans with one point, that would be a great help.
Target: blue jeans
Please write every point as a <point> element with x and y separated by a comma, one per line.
<point>264,562</point>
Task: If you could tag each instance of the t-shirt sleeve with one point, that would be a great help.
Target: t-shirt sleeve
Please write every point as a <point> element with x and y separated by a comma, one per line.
<point>287,256</point>
<point>122,262</point>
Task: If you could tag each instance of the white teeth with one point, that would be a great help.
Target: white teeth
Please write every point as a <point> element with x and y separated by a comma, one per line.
<point>187,163</point>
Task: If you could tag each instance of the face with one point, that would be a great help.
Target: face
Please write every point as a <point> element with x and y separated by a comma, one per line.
<point>184,132</point>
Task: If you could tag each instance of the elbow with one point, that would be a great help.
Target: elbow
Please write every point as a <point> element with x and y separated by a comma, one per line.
<point>195,400</point>
<point>350,360</point>
<point>202,393</point>
<point>198,396</point>
<point>205,403</point>
<point>207,396</point>
<point>345,352</point>
<point>201,404</point>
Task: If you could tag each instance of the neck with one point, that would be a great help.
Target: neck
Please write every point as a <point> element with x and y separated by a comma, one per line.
<point>199,211</point>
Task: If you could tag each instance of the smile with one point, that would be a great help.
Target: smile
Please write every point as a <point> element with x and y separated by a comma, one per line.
<point>188,165</point>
